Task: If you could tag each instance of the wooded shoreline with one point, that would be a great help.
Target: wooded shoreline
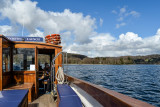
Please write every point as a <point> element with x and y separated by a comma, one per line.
<point>122,60</point>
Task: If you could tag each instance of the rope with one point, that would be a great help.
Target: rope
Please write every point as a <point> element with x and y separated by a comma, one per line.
<point>60,75</point>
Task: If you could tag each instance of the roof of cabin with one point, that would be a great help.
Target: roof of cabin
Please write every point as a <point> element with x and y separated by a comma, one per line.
<point>33,43</point>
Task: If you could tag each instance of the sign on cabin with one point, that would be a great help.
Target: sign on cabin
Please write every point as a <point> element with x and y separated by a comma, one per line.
<point>33,39</point>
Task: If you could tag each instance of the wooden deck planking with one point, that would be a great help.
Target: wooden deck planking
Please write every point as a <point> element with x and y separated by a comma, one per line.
<point>46,100</point>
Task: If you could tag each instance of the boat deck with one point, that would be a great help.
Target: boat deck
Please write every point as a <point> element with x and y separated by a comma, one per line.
<point>46,100</point>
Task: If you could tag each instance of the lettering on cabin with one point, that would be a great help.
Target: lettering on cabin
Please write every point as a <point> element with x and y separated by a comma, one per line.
<point>34,39</point>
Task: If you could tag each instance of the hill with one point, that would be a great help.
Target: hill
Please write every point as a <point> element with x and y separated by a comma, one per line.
<point>82,59</point>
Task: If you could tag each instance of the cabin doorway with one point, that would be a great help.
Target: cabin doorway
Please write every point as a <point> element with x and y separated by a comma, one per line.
<point>44,58</point>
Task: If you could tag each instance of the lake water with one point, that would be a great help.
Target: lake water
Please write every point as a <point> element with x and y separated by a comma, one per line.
<point>138,81</point>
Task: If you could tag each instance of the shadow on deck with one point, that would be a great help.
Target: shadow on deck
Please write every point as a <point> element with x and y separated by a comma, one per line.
<point>45,100</point>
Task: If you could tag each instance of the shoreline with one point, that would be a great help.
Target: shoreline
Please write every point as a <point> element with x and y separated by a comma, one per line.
<point>111,64</point>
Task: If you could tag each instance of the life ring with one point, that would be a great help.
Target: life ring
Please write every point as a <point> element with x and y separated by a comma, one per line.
<point>53,38</point>
<point>47,36</point>
<point>56,42</point>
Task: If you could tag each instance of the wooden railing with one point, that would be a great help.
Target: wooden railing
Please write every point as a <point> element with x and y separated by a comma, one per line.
<point>106,97</point>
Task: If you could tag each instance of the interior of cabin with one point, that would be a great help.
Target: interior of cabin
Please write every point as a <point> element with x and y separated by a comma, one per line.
<point>22,64</point>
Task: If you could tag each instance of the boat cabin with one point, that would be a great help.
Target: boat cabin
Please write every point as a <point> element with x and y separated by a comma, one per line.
<point>21,64</point>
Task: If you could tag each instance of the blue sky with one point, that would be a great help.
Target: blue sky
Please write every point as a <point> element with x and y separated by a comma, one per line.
<point>89,27</point>
<point>145,25</point>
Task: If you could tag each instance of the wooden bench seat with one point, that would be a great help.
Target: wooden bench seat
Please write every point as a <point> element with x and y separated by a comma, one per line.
<point>28,86</point>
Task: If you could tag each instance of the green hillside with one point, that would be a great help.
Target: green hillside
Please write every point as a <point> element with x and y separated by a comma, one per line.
<point>82,59</point>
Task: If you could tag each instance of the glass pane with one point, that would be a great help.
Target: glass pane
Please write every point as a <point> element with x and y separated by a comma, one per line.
<point>6,59</point>
<point>23,59</point>
<point>42,59</point>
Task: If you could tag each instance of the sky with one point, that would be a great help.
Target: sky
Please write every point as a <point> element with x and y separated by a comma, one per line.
<point>96,28</point>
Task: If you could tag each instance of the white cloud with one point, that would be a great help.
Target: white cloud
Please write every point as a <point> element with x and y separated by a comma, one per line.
<point>158,32</point>
<point>134,13</point>
<point>77,31</point>
<point>120,19</point>
<point>6,30</point>
<point>123,14</point>
<point>38,33</point>
<point>113,11</point>
<point>27,13</point>
<point>127,44</point>
<point>100,21</point>
<point>120,25</point>
<point>129,36</point>
<point>122,11</point>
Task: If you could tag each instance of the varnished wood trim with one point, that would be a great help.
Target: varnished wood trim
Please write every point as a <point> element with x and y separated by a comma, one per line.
<point>24,72</point>
<point>6,73</point>
<point>56,65</point>
<point>58,61</point>
<point>106,97</point>
<point>33,46</point>
<point>1,64</point>
<point>2,36</point>
<point>7,79</point>
<point>37,43</point>
<point>60,58</point>
<point>24,77</point>
<point>11,58</point>
<point>36,76</point>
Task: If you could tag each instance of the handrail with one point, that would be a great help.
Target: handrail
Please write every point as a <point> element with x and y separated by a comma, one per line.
<point>53,70</point>
<point>53,67</point>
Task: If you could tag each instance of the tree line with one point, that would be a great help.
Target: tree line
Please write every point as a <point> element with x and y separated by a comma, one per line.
<point>82,59</point>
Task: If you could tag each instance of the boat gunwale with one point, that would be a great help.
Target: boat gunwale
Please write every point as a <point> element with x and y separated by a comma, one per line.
<point>114,98</point>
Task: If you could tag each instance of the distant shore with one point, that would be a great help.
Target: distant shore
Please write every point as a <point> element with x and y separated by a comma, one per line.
<point>111,64</point>
<point>122,60</point>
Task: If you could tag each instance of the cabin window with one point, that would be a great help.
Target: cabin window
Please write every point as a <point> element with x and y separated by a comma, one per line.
<point>6,59</point>
<point>24,59</point>
<point>42,59</point>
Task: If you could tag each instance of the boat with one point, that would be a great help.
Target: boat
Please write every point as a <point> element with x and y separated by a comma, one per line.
<point>20,72</point>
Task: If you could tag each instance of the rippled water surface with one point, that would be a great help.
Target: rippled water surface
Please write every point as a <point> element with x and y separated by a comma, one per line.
<point>138,81</point>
